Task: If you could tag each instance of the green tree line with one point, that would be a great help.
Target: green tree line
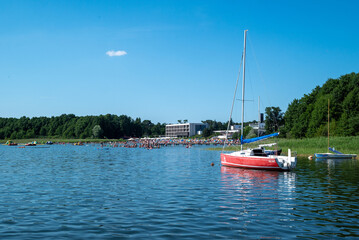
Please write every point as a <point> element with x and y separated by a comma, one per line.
<point>71,126</point>
<point>305,118</point>
<point>308,116</point>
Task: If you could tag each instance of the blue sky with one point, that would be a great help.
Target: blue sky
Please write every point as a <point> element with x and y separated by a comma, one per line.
<point>176,59</point>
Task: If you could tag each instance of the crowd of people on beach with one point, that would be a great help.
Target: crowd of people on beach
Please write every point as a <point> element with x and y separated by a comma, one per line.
<point>151,143</point>
<point>155,143</point>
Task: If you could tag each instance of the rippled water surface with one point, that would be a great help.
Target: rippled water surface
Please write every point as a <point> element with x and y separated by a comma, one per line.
<point>85,192</point>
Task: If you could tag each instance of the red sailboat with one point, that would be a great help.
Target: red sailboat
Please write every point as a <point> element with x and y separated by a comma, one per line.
<point>257,158</point>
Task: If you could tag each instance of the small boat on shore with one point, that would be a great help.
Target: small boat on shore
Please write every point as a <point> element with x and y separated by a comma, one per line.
<point>335,155</point>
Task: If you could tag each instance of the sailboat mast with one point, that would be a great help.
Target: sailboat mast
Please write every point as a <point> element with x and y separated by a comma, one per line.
<point>328,122</point>
<point>244,73</point>
<point>259,114</point>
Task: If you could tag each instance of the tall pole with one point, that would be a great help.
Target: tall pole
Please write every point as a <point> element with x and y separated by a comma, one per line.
<point>259,114</point>
<point>328,122</point>
<point>244,73</point>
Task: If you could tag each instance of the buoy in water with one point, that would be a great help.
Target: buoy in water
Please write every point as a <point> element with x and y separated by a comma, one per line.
<point>212,164</point>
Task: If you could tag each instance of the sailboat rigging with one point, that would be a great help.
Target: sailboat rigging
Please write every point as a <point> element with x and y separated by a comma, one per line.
<point>255,158</point>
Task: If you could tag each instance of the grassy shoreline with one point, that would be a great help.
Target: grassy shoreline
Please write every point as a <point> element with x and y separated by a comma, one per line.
<point>308,146</point>
<point>303,147</point>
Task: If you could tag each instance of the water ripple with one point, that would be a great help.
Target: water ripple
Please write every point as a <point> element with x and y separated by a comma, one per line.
<point>82,192</point>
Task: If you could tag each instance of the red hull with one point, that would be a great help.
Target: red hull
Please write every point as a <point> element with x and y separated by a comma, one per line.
<point>250,162</point>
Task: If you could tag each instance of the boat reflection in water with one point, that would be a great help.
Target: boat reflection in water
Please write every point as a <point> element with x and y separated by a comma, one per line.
<point>333,163</point>
<point>254,198</point>
<point>250,184</point>
<point>243,175</point>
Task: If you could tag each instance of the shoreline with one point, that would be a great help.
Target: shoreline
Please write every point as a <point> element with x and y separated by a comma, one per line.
<point>304,147</point>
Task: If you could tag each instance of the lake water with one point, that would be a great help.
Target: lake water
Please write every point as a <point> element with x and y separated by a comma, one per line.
<point>85,192</point>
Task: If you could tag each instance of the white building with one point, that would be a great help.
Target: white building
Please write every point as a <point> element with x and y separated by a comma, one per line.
<point>184,129</point>
<point>259,127</point>
<point>233,129</point>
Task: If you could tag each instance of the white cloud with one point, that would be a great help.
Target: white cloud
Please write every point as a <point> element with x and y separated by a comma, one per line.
<point>115,53</point>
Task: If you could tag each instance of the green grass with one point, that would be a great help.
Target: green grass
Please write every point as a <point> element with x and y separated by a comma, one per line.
<point>309,146</point>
